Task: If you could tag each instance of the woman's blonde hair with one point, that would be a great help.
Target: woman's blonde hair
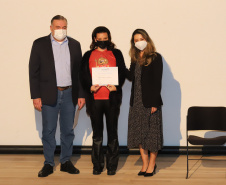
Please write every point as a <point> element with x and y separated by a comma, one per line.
<point>149,51</point>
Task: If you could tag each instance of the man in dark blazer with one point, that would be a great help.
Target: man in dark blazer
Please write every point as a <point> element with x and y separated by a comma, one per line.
<point>55,89</point>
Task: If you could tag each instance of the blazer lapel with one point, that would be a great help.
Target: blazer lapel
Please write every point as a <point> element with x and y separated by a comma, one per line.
<point>72,56</point>
<point>49,53</point>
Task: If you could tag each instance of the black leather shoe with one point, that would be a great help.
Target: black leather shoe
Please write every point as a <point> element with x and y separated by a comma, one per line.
<point>111,172</point>
<point>151,174</point>
<point>141,173</point>
<point>69,167</point>
<point>97,172</point>
<point>46,170</point>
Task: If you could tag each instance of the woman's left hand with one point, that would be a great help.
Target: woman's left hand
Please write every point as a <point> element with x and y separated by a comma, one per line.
<point>111,88</point>
<point>153,110</point>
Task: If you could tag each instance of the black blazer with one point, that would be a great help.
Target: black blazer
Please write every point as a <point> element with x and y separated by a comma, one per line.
<point>151,82</point>
<point>42,72</point>
<point>115,97</point>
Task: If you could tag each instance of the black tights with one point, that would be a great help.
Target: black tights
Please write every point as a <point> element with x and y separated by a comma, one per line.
<point>101,107</point>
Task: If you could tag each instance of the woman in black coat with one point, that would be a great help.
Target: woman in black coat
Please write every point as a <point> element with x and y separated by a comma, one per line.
<point>103,100</point>
<point>145,116</point>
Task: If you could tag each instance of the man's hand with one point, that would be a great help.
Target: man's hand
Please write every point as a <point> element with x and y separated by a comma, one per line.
<point>37,104</point>
<point>81,103</point>
<point>111,88</point>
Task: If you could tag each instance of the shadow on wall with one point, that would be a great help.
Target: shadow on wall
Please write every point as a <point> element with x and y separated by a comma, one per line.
<point>171,95</point>
<point>124,113</point>
<point>82,130</point>
<point>38,121</point>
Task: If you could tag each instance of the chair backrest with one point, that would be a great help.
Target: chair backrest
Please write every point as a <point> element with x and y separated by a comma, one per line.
<point>206,118</point>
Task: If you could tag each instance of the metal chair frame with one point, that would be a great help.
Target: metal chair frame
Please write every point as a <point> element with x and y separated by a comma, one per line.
<point>188,150</point>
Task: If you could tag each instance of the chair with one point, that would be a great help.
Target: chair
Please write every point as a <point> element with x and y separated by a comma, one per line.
<point>205,118</point>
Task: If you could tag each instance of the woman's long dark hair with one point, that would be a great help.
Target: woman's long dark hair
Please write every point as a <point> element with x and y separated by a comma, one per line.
<point>101,29</point>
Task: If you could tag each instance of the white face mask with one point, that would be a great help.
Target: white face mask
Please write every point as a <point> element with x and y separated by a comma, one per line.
<point>141,45</point>
<point>60,34</point>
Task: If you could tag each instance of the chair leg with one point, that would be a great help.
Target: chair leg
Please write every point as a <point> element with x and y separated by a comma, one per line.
<point>187,170</point>
<point>187,163</point>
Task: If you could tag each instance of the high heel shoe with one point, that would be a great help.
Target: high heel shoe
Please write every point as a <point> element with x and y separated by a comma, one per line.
<point>151,174</point>
<point>141,173</point>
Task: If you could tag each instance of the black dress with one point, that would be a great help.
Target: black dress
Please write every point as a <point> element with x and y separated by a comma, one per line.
<point>144,128</point>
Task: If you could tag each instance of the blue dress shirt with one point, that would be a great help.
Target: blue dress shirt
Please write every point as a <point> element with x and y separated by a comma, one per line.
<point>62,61</point>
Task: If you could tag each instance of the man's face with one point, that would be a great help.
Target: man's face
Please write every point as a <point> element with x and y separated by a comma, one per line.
<point>58,24</point>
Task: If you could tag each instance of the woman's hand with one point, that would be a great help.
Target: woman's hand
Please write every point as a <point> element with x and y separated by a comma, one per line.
<point>94,88</point>
<point>153,110</point>
<point>111,88</point>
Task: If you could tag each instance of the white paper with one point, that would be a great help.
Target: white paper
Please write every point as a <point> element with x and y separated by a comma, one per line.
<point>76,118</point>
<point>105,76</point>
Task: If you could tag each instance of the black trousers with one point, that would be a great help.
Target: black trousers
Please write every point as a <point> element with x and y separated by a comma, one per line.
<point>99,109</point>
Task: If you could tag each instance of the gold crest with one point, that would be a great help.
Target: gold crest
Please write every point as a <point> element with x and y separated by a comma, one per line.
<point>101,62</point>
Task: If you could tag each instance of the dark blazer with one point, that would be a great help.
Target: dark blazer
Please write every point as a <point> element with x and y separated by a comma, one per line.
<point>151,82</point>
<point>115,97</point>
<point>42,72</point>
